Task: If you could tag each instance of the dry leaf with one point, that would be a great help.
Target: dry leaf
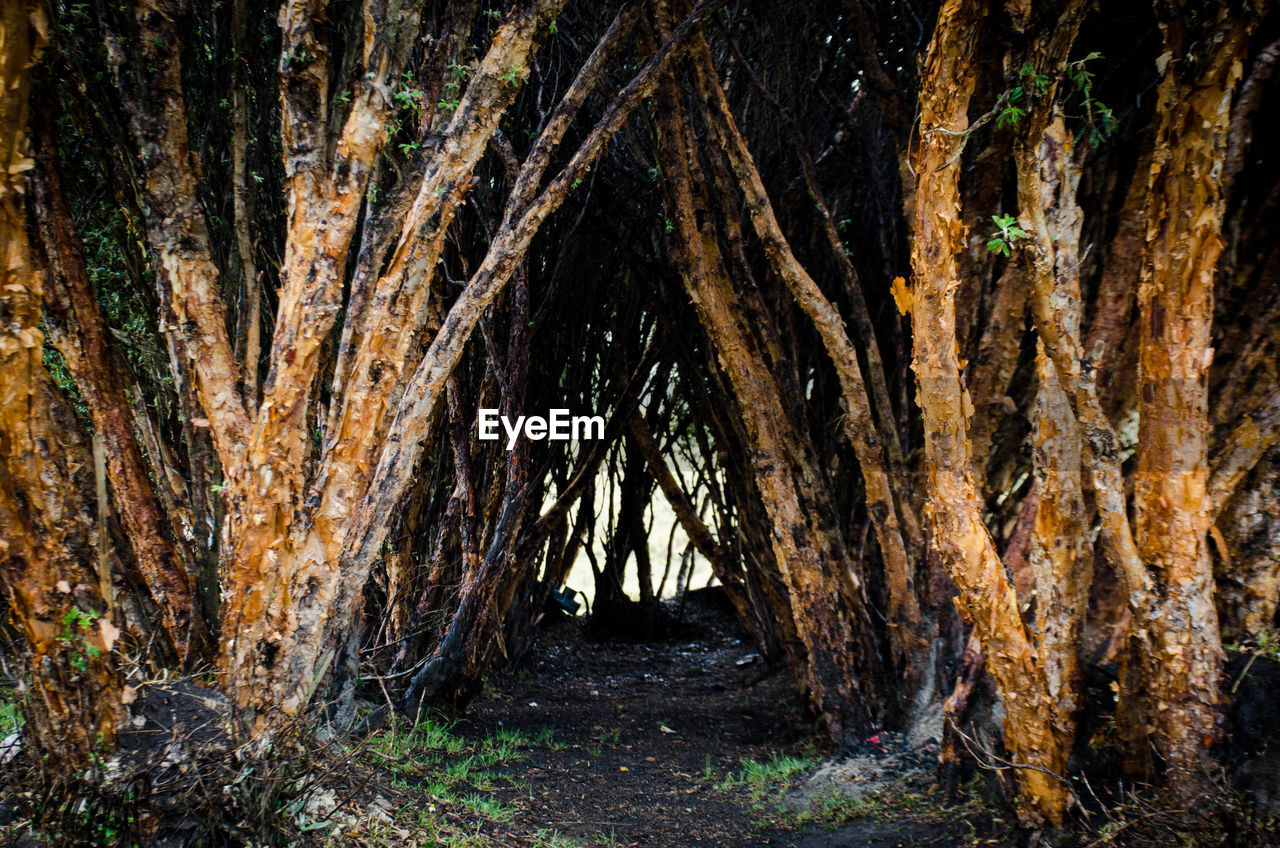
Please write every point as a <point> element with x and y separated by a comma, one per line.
<point>902,295</point>
<point>110,633</point>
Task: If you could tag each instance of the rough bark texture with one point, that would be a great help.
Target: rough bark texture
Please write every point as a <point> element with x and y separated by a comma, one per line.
<point>858,423</point>
<point>1243,447</point>
<point>1248,588</point>
<point>1060,555</point>
<point>1117,291</point>
<point>251,286</point>
<point>994,364</point>
<point>987,599</point>
<point>48,530</point>
<point>826,603</point>
<point>77,330</point>
<point>1178,680</point>
<point>288,598</point>
<point>299,564</point>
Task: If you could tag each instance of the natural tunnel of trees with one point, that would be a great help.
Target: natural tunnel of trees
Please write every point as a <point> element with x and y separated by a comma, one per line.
<point>948,332</point>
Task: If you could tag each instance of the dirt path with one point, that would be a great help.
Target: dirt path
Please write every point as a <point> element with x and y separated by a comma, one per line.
<point>681,744</point>
<point>689,742</point>
<point>642,736</point>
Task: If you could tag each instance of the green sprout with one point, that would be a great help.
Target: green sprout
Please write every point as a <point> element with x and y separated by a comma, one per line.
<point>1009,234</point>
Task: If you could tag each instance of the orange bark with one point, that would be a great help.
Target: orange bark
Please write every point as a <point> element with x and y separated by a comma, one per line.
<point>825,598</point>
<point>77,329</point>
<point>1248,589</point>
<point>987,599</point>
<point>285,584</point>
<point>1060,554</point>
<point>993,366</point>
<point>299,564</point>
<point>859,425</point>
<point>1177,679</point>
<point>47,520</point>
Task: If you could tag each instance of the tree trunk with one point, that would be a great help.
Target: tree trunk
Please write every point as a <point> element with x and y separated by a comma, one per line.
<point>77,329</point>
<point>288,605</point>
<point>826,603</point>
<point>48,529</point>
<point>1060,555</point>
<point>987,599</point>
<point>1248,586</point>
<point>1177,680</point>
<point>859,425</point>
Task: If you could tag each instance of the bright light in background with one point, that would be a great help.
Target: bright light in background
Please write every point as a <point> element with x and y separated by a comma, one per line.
<point>664,520</point>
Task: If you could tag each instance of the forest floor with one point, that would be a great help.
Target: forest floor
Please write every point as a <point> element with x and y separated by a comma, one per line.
<point>689,741</point>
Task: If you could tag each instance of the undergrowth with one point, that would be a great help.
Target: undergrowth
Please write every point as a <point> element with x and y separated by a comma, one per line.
<point>767,778</point>
<point>443,788</point>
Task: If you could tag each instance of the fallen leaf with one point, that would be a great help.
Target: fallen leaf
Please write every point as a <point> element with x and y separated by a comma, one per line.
<point>110,633</point>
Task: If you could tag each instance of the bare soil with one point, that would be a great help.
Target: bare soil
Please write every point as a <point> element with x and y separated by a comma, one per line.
<point>650,740</point>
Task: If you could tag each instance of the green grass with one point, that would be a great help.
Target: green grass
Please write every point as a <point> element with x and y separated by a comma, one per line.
<point>890,804</point>
<point>905,798</point>
<point>488,808</point>
<point>552,839</point>
<point>431,735</point>
<point>767,778</point>
<point>434,761</point>
<point>10,717</point>
<point>546,738</point>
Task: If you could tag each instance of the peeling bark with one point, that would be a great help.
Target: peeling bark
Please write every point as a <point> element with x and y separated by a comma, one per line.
<point>48,531</point>
<point>987,598</point>
<point>1248,586</point>
<point>1060,555</point>
<point>995,362</point>
<point>251,286</point>
<point>825,597</point>
<point>1178,679</point>
<point>76,328</point>
<point>289,604</point>
<point>1243,447</point>
<point>149,75</point>
<point>858,423</point>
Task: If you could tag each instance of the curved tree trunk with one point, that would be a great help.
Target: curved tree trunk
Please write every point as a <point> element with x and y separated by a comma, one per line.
<point>859,424</point>
<point>826,603</point>
<point>77,329</point>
